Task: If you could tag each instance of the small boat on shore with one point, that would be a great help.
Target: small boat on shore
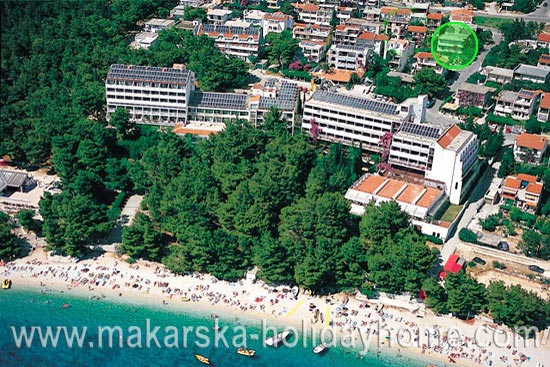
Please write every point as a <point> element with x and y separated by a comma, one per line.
<point>66,305</point>
<point>320,349</point>
<point>274,341</point>
<point>185,299</point>
<point>203,359</point>
<point>6,284</point>
<point>246,352</point>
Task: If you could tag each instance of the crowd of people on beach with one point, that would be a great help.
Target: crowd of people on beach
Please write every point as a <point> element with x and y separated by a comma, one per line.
<point>348,317</point>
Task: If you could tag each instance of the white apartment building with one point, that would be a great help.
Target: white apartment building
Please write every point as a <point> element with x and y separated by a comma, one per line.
<point>152,95</point>
<point>358,121</point>
<point>242,42</point>
<point>519,105</point>
<point>144,40</point>
<point>347,57</point>
<point>312,50</point>
<point>276,23</point>
<point>218,16</point>
<point>254,17</point>
<point>374,42</point>
<point>315,14</point>
<point>192,3</point>
<point>343,14</point>
<point>311,32</point>
<point>530,148</point>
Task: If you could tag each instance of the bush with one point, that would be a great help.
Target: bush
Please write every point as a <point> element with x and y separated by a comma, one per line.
<point>467,236</point>
<point>434,239</point>
<point>498,265</point>
<point>116,207</point>
<point>490,223</point>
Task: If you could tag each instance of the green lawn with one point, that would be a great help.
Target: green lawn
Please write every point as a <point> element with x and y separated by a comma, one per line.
<point>451,213</point>
<point>491,22</point>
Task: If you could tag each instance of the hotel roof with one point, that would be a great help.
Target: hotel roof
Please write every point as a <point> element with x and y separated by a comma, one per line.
<point>232,101</point>
<point>213,30</point>
<point>531,141</point>
<point>391,188</point>
<point>454,138</point>
<point>148,74</point>
<point>355,102</point>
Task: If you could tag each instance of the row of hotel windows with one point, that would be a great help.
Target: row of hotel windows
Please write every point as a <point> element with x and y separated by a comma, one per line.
<point>411,143</point>
<point>365,125</point>
<point>146,99</point>
<point>340,113</point>
<point>147,84</point>
<point>409,151</point>
<point>350,131</point>
<point>145,91</point>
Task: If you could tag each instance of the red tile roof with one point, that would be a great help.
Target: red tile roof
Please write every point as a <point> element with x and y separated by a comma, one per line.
<point>370,184</point>
<point>512,183</point>
<point>526,177</point>
<point>545,100</point>
<point>306,7</point>
<point>428,198</point>
<point>373,36</point>
<point>544,37</point>
<point>436,16</point>
<point>424,55</point>
<point>452,264</point>
<point>462,15</point>
<point>449,136</point>
<point>534,188</point>
<point>417,28</point>
<point>544,59</point>
<point>391,188</point>
<point>278,16</point>
<point>531,141</point>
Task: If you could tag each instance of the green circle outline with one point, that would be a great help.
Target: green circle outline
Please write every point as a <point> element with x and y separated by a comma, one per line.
<point>456,67</point>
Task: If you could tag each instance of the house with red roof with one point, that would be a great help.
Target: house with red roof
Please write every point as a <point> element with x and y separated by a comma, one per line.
<point>453,265</point>
<point>418,33</point>
<point>530,148</point>
<point>543,40</point>
<point>427,60</point>
<point>523,190</point>
<point>433,21</point>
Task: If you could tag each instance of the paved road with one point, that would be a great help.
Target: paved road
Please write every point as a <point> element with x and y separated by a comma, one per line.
<point>476,65</point>
<point>542,14</point>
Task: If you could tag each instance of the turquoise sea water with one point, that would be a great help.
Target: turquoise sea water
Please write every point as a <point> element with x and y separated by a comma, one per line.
<point>30,308</point>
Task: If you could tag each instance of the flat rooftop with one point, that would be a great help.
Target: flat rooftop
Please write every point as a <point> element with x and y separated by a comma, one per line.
<point>355,102</point>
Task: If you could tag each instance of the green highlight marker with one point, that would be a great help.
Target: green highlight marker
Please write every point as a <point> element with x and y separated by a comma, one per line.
<point>454,45</point>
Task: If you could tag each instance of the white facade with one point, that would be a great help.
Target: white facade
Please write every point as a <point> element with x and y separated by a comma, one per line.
<point>218,16</point>
<point>315,14</point>
<point>276,23</point>
<point>519,105</point>
<point>144,40</point>
<point>358,121</point>
<point>156,25</point>
<point>347,57</point>
<point>455,163</point>
<point>312,50</point>
<point>242,42</point>
<point>152,95</point>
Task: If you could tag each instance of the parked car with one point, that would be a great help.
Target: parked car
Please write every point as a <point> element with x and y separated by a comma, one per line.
<point>503,246</point>
<point>536,269</point>
<point>479,260</point>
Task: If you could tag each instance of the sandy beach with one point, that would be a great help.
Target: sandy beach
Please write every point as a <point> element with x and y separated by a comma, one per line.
<point>389,330</point>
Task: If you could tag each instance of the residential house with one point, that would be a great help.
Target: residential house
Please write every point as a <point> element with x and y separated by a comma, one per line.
<point>543,40</point>
<point>156,25</point>
<point>274,4</point>
<point>375,42</point>
<point>192,3</point>
<point>463,16</point>
<point>519,105</point>
<point>532,74</point>
<point>218,16</point>
<point>347,57</point>
<point>530,148</point>
<point>312,50</point>
<point>277,23</point>
<point>433,21</point>
<point>255,17</point>
<point>338,76</point>
<point>144,40</point>
<point>473,95</point>
<point>544,61</point>
<point>397,20</point>
<point>498,75</point>
<point>426,60</point>
<point>400,50</point>
<point>177,12</point>
<point>242,42</point>
<point>543,114</point>
<point>345,34</point>
<point>523,190</point>
<point>418,33</point>
<point>311,32</point>
<point>315,14</point>
<point>343,14</point>
<point>372,14</point>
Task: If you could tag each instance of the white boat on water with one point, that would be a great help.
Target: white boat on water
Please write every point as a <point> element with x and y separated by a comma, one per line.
<point>320,349</point>
<point>274,341</point>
